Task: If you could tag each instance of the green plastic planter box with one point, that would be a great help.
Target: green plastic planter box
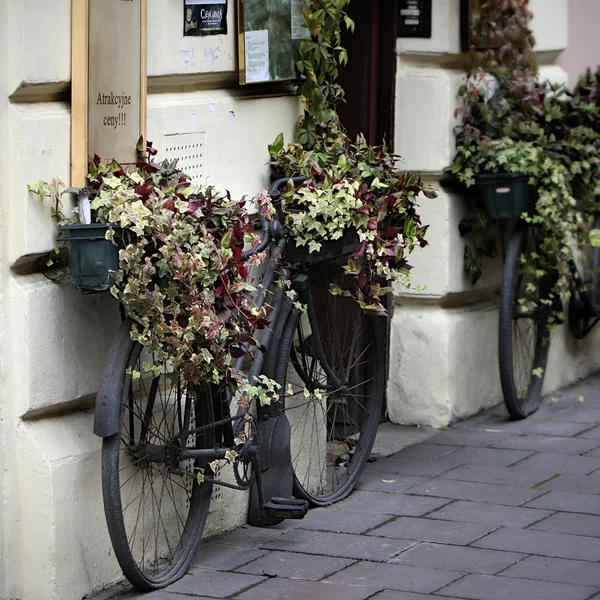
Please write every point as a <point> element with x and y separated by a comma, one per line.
<point>91,255</point>
<point>506,195</point>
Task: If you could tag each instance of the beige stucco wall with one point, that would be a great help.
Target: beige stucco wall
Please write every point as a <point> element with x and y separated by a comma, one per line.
<point>444,363</point>
<point>4,472</point>
<point>53,339</point>
<point>583,49</point>
<point>54,543</point>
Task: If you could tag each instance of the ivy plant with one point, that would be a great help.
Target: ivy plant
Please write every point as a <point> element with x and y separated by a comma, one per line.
<point>512,122</point>
<point>181,279</point>
<point>353,188</point>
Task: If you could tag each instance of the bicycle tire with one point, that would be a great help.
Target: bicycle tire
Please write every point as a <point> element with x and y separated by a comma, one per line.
<point>584,303</point>
<point>344,424</point>
<point>522,386</point>
<point>177,534</point>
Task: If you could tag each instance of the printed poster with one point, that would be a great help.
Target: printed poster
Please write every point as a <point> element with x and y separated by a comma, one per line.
<point>257,56</point>
<point>273,30</point>
<point>205,17</point>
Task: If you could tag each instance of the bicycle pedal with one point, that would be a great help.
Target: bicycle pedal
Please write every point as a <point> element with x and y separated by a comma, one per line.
<point>286,508</point>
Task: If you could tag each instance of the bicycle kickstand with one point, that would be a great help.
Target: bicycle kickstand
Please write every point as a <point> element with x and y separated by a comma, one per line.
<point>272,465</point>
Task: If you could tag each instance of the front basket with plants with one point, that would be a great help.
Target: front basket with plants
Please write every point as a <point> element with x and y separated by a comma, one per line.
<point>525,147</point>
<point>355,205</point>
<point>92,256</point>
<point>171,254</point>
<point>505,195</point>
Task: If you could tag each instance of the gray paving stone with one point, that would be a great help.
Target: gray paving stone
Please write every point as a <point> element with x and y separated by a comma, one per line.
<point>164,596</point>
<point>581,414</point>
<point>215,584</point>
<point>547,443</point>
<point>339,520</point>
<point>552,410</point>
<point>378,481</point>
<point>250,536</point>
<point>457,558</point>
<point>532,426</point>
<point>395,577</point>
<point>595,452</point>
<point>392,504</point>
<point>420,468</point>
<point>459,437</point>
<point>513,476</point>
<point>591,433</point>
<point>489,514</point>
<point>433,530</point>
<point>488,587</point>
<point>479,492</point>
<point>284,589</point>
<point>223,556</point>
<point>292,565</point>
<point>427,451</point>
<point>120,591</point>
<point>580,484</point>
<point>569,502</point>
<point>396,595</point>
<point>572,523</point>
<point>542,543</point>
<point>488,456</point>
<point>338,544</point>
<point>558,570</point>
<point>561,463</point>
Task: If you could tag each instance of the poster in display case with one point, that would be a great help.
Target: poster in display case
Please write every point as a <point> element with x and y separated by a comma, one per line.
<point>270,32</point>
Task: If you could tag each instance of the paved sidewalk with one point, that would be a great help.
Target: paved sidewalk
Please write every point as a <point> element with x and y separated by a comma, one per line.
<point>491,509</point>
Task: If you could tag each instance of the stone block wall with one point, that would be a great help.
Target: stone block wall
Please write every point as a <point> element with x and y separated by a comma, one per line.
<point>444,340</point>
<point>54,340</point>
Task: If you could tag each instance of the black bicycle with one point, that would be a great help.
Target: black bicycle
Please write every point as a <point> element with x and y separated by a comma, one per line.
<point>162,436</point>
<point>526,304</point>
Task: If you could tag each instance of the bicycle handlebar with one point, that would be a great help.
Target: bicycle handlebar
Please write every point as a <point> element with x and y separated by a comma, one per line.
<point>275,193</point>
<point>275,189</point>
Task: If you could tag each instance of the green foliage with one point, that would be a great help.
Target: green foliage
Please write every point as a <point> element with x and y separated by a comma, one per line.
<point>52,190</point>
<point>181,279</point>
<point>502,39</point>
<point>353,189</point>
<point>513,123</point>
<point>319,60</point>
<point>362,193</point>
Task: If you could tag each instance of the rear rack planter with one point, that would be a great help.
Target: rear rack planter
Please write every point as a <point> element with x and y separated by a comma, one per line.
<point>331,250</point>
<point>91,255</point>
<point>506,195</point>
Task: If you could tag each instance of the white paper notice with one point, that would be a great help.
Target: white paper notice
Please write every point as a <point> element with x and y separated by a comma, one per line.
<point>299,32</point>
<point>257,55</point>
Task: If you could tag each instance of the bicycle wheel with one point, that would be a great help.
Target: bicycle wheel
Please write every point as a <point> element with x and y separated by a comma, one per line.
<point>333,374</point>
<point>523,336</point>
<point>155,508</point>
<point>584,303</point>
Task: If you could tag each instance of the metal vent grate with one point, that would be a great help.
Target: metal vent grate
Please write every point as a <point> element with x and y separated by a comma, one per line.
<point>190,151</point>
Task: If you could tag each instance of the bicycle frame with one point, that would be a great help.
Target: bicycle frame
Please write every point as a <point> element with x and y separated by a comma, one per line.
<point>273,235</point>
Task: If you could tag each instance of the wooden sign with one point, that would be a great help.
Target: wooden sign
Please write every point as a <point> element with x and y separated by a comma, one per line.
<point>108,82</point>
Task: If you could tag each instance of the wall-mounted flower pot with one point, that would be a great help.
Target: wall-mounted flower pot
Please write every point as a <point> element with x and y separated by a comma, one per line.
<point>506,195</point>
<point>91,255</point>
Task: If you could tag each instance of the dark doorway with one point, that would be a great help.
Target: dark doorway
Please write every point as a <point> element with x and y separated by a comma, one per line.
<point>369,81</point>
<point>370,75</point>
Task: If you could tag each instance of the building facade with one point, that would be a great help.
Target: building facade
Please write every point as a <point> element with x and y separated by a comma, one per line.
<point>53,339</point>
<point>443,357</point>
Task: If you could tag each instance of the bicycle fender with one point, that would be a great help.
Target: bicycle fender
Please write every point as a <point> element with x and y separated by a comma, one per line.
<point>108,399</point>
